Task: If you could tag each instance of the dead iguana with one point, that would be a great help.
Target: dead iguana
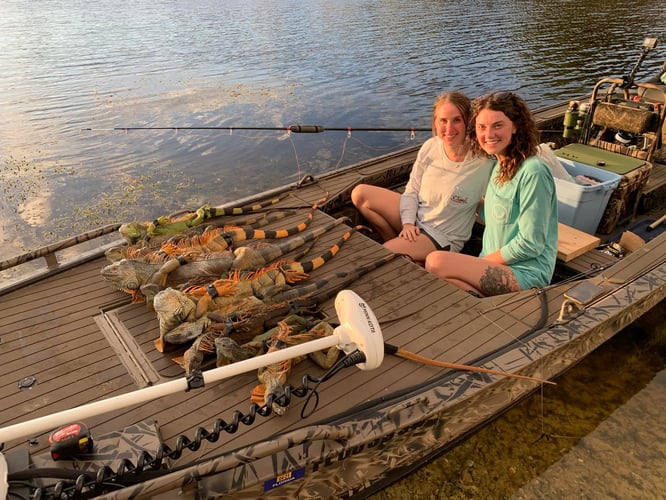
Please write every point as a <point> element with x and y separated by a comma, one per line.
<point>180,221</point>
<point>293,330</point>
<point>177,310</point>
<point>147,248</point>
<point>129,275</point>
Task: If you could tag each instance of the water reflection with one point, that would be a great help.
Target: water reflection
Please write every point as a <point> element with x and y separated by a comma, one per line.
<point>69,66</point>
<point>624,457</point>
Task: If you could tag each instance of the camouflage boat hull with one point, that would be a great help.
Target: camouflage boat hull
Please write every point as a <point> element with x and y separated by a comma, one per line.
<point>357,455</point>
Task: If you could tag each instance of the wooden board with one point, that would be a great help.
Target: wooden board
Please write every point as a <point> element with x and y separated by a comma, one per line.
<point>572,242</point>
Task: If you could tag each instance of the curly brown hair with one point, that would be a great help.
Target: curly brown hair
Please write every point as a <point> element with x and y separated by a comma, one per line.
<point>526,138</point>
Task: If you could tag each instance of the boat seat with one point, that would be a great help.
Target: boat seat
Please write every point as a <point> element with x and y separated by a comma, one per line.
<point>617,112</point>
<point>653,95</point>
<point>625,117</point>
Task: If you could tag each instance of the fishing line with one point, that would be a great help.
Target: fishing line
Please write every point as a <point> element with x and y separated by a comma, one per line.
<point>299,129</point>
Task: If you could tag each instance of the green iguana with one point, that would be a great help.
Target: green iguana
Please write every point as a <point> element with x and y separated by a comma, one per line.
<point>181,221</point>
<point>180,323</point>
<point>195,267</point>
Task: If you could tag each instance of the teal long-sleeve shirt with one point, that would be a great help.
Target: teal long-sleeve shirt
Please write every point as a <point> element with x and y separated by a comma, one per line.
<point>521,221</point>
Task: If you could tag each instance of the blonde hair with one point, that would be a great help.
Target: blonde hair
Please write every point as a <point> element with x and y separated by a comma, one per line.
<point>459,100</point>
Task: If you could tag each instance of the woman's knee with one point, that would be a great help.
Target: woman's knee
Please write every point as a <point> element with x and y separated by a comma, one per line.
<point>358,194</point>
<point>435,262</point>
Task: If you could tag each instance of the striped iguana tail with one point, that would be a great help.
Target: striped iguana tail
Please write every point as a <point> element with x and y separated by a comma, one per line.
<point>316,292</point>
<point>145,249</point>
<point>252,258</point>
<point>277,273</point>
<point>180,221</point>
<point>308,296</point>
<point>221,239</point>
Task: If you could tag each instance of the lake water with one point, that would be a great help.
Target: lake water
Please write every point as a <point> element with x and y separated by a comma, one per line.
<point>72,71</point>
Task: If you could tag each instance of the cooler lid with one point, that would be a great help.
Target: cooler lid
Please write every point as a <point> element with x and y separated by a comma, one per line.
<point>600,158</point>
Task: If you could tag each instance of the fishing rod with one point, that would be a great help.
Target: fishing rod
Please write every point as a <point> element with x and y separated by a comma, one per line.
<point>299,129</point>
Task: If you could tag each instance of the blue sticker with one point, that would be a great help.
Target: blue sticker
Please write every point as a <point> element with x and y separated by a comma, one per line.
<point>285,478</point>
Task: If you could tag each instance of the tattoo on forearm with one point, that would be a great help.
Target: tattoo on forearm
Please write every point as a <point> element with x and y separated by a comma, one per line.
<point>496,281</point>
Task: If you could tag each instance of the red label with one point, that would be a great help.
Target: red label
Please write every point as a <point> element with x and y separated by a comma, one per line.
<point>71,430</point>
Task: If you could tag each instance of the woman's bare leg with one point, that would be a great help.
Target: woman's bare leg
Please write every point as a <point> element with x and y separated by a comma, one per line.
<point>472,273</point>
<point>380,207</point>
<point>417,250</point>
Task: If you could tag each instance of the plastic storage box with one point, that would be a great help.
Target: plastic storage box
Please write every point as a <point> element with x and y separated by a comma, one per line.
<point>581,206</point>
<point>634,172</point>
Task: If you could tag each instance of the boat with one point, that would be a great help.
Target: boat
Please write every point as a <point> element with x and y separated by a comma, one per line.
<point>93,406</point>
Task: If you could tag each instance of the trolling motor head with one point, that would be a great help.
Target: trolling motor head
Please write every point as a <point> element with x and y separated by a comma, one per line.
<point>359,329</point>
<point>649,43</point>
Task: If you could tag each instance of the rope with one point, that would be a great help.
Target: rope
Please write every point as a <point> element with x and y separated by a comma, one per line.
<point>402,353</point>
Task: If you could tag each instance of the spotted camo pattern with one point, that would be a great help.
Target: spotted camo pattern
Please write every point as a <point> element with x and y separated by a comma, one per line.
<point>342,459</point>
<point>624,199</point>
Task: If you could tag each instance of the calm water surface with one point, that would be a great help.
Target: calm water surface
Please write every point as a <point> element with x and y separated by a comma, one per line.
<point>72,71</point>
<point>598,434</point>
<point>68,66</point>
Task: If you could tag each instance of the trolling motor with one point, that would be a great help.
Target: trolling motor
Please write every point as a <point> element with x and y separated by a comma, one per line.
<point>577,114</point>
<point>359,335</point>
<point>648,44</point>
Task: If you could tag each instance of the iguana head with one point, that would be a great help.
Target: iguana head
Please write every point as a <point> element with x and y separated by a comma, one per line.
<point>134,231</point>
<point>128,275</point>
<point>173,307</point>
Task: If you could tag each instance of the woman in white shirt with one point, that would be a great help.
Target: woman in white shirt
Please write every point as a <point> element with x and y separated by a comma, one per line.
<point>436,210</point>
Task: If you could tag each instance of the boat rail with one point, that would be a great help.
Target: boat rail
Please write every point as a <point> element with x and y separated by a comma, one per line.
<point>56,263</point>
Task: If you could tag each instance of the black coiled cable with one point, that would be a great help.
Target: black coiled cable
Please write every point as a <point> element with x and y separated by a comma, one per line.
<point>148,467</point>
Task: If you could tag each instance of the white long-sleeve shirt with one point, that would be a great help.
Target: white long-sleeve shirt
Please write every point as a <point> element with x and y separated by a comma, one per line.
<point>441,195</point>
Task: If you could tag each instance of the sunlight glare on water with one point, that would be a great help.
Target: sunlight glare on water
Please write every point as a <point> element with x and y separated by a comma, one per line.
<point>72,71</point>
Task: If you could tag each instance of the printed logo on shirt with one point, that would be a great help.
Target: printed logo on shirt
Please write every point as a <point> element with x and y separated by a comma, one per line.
<point>459,197</point>
<point>501,213</point>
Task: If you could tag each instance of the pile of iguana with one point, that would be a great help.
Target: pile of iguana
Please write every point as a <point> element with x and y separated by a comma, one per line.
<point>241,291</point>
<point>198,264</point>
<point>207,238</point>
<point>294,329</point>
<point>249,310</point>
<point>220,239</point>
<point>222,298</point>
<point>148,247</point>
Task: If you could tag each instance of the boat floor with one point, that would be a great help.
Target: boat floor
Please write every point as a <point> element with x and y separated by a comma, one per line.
<point>80,341</point>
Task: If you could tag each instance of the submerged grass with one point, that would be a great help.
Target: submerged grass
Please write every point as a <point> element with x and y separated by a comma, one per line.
<point>520,445</point>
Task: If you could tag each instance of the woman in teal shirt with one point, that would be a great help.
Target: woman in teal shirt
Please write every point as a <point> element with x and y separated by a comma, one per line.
<point>520,206</point>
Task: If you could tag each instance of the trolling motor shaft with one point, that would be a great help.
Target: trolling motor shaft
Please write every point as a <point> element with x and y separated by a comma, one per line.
<point>649,43</point>
<point>358,331</point>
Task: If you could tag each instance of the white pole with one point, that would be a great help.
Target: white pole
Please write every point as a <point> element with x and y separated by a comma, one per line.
<point>48,422</point>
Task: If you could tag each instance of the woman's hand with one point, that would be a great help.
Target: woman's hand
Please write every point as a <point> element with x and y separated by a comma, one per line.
<point>409,232</point>
<point>495,258</point>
